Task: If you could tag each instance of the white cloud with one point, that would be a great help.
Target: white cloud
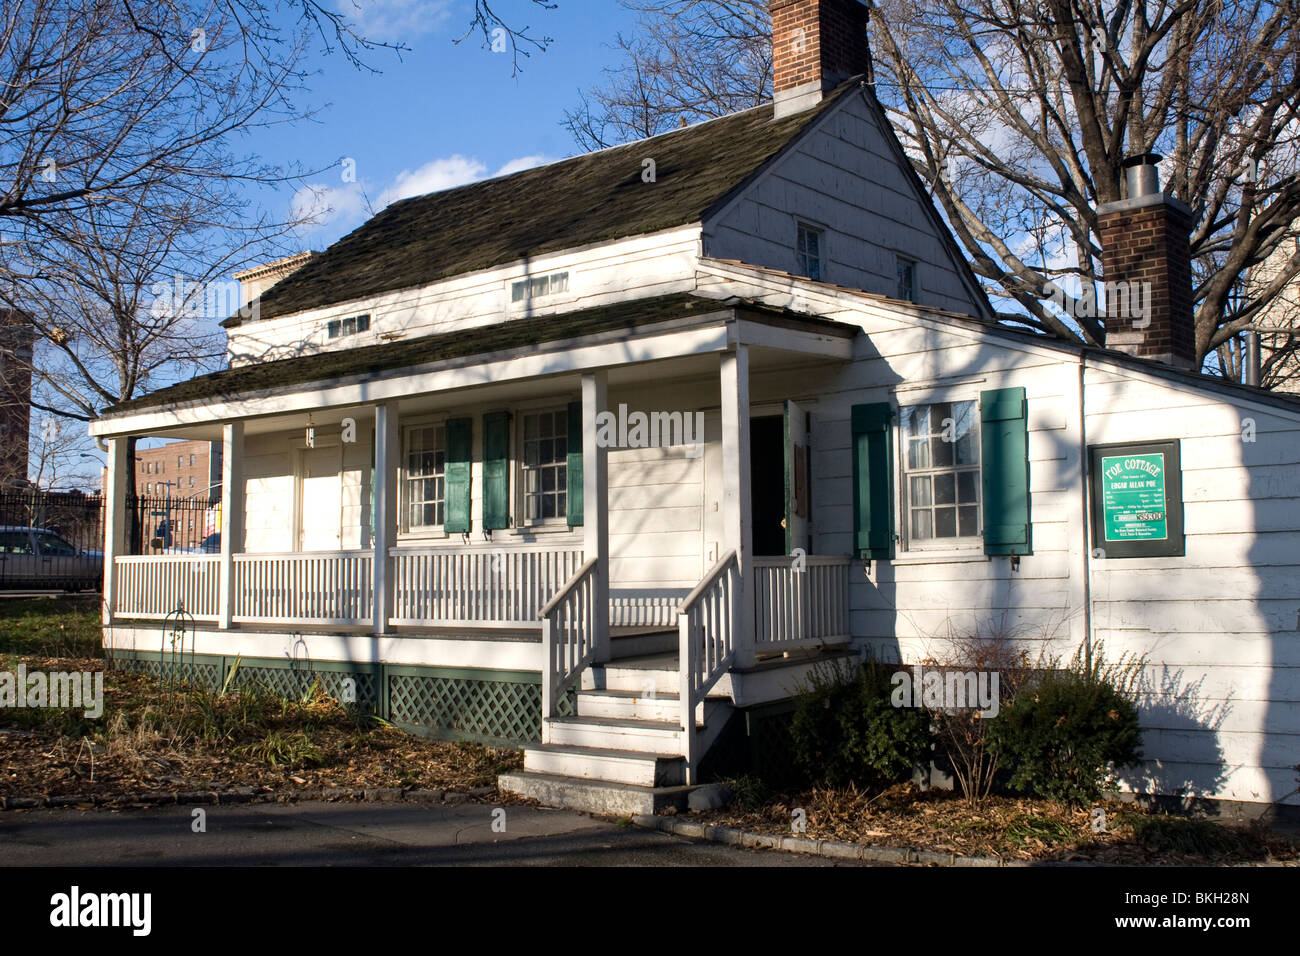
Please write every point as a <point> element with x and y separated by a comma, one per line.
<point>327,212</point>
<point>318,206</point>
<point>395,21</point>
<point>432,177</point>
<point>522,163</point>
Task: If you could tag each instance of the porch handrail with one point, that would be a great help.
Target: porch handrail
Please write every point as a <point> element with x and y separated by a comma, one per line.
<point>801,602</point>
<point>153,586</point>
<point>308,587</point>
<point>568,636</point>
<point>477,586</point>
<point>707,630</point>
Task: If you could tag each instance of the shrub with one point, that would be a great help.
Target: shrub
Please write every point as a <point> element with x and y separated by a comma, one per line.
<point>846,731</point>
<point>1066,731</point>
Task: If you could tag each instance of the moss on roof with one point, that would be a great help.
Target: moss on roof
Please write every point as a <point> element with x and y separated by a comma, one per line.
<point>595,197</point>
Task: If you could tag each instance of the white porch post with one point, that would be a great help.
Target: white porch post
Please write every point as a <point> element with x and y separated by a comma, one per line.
<point>737,513</point>
<point>388,444</point>
<point>595,505</point>
<point>232,515</point>
<point>114,521</point>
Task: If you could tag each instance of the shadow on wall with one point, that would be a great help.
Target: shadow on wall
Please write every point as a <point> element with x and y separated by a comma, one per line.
<point>1177,711</point>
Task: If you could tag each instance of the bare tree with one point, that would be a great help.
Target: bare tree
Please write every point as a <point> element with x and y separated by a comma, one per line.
<point>1019,115</point>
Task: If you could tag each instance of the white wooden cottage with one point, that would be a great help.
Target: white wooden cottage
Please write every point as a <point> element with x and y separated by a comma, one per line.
<point>464,473</point>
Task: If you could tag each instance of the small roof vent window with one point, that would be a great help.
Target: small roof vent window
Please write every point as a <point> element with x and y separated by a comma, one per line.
<point>536,287</point>
<point>338,328</point>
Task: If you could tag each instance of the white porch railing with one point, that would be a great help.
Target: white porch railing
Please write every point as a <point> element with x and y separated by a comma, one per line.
<point>500,587</point>
<point>154,586</point>
<point>707,628</point>
<point>568,637</point>
<point>801,607</point>
<point>327,587</point>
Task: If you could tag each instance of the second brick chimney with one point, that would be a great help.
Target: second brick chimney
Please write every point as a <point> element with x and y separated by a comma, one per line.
<point>816,45</point>
<point>1146,263</point>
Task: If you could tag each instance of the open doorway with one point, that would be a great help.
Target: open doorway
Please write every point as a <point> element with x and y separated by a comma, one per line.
<point>767,483</point>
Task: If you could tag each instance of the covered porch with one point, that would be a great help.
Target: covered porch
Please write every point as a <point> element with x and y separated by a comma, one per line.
<point>487,515</point>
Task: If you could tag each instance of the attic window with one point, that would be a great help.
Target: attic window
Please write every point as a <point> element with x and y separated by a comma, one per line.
<point>810,252</point>
<point>337,328</point>
<point>906,279</point>
<point>535,288</point>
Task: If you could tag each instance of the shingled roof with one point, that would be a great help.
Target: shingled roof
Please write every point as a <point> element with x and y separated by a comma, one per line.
<point>595,197</point>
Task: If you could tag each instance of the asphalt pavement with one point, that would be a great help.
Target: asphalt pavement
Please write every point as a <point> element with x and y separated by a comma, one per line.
<point>356,834</point>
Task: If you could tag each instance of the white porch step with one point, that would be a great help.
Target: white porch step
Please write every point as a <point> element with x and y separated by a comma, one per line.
<point>638,674</point>
<point>617,733</point>
<point>640,768</point>
<point>610,799</point>
<point>634,705</point>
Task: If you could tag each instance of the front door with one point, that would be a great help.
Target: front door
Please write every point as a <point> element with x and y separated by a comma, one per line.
<point>320,513</point>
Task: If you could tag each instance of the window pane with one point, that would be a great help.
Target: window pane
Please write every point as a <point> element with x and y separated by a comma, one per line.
<point>968,521</point>
<point>918,453</point>
<point>966,486</point>
<point>945,489</point>
<point>921,525</point>
<point>942,452</point>
<point>945,522</point>
<point>921,491</point>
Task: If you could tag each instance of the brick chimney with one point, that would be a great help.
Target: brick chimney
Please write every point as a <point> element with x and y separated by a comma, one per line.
<point>1146,263</point>
<point>816,45</point>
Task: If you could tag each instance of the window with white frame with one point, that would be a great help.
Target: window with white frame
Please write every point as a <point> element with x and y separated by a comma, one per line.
<point>941,474</point>
<point>544,436</point>
<point>809,247</point>
<point>425,477</point>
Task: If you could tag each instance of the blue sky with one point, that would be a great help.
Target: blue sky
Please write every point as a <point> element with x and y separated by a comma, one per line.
<point>442,115</point>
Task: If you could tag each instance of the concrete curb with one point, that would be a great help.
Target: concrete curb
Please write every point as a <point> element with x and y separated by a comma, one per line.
<point>832,849</point>
<point>246,795</point>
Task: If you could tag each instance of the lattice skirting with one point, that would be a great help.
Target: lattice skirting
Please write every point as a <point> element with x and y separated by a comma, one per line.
<point>487,706</point>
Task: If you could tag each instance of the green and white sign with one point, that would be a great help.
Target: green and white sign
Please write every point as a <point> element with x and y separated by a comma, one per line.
<point>1137,500</point>
<point>1133,498</point>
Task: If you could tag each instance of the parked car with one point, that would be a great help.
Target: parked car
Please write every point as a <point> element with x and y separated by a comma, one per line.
<point>209,545</point>
<point>41,558</point>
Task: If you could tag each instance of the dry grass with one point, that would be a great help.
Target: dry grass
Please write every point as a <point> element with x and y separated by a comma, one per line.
<point>150,739</point>
<point>1022,829</point>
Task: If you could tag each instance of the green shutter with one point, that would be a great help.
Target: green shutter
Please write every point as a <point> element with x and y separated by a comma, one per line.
<point>873,508</point>
<point>1004,449</point>
<point>460,441</point>
<point>573,465</point>
<point>496,471</point>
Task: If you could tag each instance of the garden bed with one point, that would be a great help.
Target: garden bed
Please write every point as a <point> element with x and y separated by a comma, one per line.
<point>157,738</point>
<point>1009,828</point>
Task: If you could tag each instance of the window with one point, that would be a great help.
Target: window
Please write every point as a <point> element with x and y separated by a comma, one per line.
<point>15,542</point>
<point>426,476</point>
<point>941,472</point>
<point>191,481</point>
<point>545,468</point>
<point>338,328</point>
<point>52,544</point>
<point>906,279</point>
<point>535,288</point>
<point>191,461</point>
<point>810,252</point>
<point>148,488</point>
<point>180,461</point>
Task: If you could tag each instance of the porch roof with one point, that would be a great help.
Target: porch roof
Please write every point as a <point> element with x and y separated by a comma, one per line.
<point>465,343</point>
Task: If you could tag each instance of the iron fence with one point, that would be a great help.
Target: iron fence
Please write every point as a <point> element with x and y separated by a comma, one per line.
<point>55,540</point>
